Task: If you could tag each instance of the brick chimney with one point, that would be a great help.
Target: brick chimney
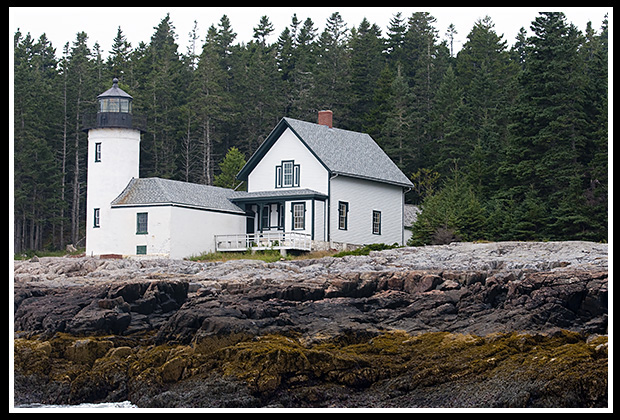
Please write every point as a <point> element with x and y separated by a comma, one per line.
<point>325,118</point>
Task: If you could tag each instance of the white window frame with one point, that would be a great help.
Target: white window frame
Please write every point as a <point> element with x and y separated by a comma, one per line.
<point>299,215</point>
<point>142,223</point>
<point>343,215</point>
<point>96,217</point>
<point>287,174</point>
<point>97,152</point>
<point>376,222</point>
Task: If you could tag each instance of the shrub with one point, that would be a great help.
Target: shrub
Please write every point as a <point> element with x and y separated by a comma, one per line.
<point>454,213</point>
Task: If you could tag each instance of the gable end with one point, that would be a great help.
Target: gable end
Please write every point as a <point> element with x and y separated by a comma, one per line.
<point>266,146</point>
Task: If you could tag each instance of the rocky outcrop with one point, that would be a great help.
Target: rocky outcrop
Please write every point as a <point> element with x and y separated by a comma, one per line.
<point>475,290</point>
<point>465,288</point>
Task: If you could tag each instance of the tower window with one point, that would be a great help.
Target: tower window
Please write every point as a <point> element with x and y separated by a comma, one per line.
<point>96,215</point>
<point>97,152</point>
<point>115,105</point>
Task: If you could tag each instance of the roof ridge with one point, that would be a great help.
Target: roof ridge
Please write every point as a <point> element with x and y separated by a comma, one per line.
<point>326,127</point>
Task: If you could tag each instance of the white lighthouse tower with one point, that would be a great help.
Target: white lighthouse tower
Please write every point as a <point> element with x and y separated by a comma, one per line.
<point>113,160</point>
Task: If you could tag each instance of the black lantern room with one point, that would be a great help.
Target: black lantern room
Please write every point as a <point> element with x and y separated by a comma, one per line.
<point>115,100</point>
<point>114,111</point>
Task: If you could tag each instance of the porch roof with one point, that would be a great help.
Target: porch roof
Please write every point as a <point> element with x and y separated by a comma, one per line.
<point>280,195</point>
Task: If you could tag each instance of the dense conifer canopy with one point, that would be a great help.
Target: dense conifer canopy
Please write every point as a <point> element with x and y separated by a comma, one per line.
<point>512,140</point>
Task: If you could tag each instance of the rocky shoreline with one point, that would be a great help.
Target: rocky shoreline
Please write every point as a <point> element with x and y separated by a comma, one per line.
<point>462,325</point>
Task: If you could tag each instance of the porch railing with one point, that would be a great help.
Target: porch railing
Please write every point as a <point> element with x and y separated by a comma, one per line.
<point>264,240</point>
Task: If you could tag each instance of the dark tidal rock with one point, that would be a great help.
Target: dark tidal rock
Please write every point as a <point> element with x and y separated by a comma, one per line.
<point>177,333</point>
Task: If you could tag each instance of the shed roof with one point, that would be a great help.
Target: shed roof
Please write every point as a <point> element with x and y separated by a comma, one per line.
<point>159,191</point>
<point>342,152</point>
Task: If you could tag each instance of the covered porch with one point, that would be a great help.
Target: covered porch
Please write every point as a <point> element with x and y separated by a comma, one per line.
<point>287,219</point>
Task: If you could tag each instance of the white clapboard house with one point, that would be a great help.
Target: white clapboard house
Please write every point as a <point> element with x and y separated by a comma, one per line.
<point>309,186</point>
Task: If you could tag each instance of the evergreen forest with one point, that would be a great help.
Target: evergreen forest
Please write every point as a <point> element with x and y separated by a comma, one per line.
<point>501,143</point>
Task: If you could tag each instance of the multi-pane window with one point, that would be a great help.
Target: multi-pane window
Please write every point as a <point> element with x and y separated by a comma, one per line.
<point>96,216</point>
<point>97,152</point>
<point>376,222</point>
<point>114,105</point>
<point>287,174</point>
<point>142,223</point>
<point>299,216</point>
<point>343,213</point>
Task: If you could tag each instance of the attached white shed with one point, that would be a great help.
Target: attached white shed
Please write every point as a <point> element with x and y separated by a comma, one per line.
<point>162,217</point>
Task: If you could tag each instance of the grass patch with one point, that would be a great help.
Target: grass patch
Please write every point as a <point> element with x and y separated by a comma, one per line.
<point>365,250</point>
<point>274,255</point>
<point>266,256</point>
<point>28,254</point>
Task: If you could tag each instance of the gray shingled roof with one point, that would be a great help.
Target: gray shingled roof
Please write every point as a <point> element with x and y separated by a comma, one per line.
<point>143,191</point>
<point>349,153</point>
<point>296,193</point>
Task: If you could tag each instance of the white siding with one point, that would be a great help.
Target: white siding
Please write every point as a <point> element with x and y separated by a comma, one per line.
<point>288,147</point>
<point>106,179</point>
<point>320,227</point>
<point>175,232</point>
<point>118,234</point>
<point>364,197</point>
<point>193,231</point>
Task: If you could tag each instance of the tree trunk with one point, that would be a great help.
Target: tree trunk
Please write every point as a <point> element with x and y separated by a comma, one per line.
<point>75,205</point>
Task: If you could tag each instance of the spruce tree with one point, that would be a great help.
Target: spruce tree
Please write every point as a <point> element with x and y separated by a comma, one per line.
<point>332,73</point>
<point>37,203</point>
<point>454,213</point>
<point>548,152</point>
<point>162,96</point>
<point>118,60</point>
<point>208,100</point>
<point>485,74</point>
<point>82,91</point>
<point>366,65</point>
<point>229,168</point>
